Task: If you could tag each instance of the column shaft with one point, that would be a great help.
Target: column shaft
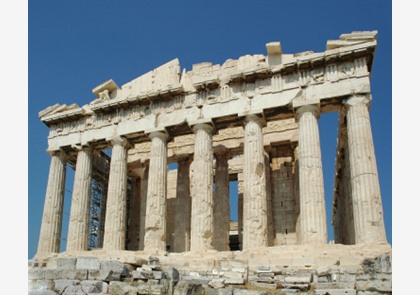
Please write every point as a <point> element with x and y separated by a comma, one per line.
<point>240,208</point>
<point>155,225</point>
<point>50,234</point>
<point>202,224</point>
<point>255,215</point>
<point>115,220</point>
<point>134,215</point>
<point>143,206</point>
<point>366,195</point>
<point>183,208</point>
<point>221,204</point>
<point>78,234</point>
<point>311,182</point>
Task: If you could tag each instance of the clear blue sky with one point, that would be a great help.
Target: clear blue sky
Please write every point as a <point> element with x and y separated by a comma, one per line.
<point>76,45</point>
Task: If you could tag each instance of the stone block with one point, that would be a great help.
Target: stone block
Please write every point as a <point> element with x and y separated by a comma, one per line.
<point>111,271</point>
<point>52,274</point>
<point>74,290</point>
<point>290,292</point>
<point>346,278</point>
<point>120,288</point>
<point>217,283</point>
<point>298,280</point>
<point>74,274</point>
<point>265,274</point>
<point>91,286</point>
<point>333,285</point>
<point>89,263</point>
<point>188,288</point>
<point>40,285</point>
<point>44,292</point>
<point>261,279</point>
<point>263,285</point>
<point>300,287</point>
<point>36,274</point>
<point>379,286</point>
<point>61,285</point>
<point>335,291</point>
<point>238,291</point>
<point>66,263</point>
<point>234,281</point>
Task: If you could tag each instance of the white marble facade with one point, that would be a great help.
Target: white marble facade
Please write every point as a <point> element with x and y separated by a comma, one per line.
<point>254,120</point>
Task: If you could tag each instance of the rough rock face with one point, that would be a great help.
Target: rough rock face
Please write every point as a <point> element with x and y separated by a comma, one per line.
<point>88,275</point>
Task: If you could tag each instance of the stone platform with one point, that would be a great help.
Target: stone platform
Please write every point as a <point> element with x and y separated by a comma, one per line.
<point>327,269</point>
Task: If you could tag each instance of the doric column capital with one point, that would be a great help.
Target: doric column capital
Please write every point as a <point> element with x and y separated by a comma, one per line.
<point>163,135</point>
<point>79,147</point>
<point>303,106</point>
<point>255,118</point>
<point>358,100</point>
<point>118,140</point>
<point>57,152</point>
<point>206,126</point>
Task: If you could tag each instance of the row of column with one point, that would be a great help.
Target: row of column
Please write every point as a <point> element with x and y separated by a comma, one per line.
<point>196,221</point>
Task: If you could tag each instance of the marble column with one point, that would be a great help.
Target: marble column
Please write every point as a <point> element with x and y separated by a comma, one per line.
<point>78,233</point>
<point>240,208</point>
<point>50,234</point>
<point>221,210</point>
<point>134,214</point>
<point>366,196</point>
<point>116,208</point>
<point>155,224</point>
<point>202,224</point>
<point>143,205</point>
<point>183,207</point>
<point>255,214</point>
<point>313,219</point>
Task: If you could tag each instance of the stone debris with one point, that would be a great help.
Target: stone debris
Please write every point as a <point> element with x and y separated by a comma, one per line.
<point>114,278</point>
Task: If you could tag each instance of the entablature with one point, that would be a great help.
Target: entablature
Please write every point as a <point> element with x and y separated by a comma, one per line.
<point>165,98</point>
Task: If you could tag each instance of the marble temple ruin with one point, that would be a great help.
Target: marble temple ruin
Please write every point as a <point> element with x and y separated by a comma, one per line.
<point>253,120</point>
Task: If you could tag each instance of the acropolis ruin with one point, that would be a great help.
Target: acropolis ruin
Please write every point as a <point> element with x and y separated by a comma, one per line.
<point>253,120</point>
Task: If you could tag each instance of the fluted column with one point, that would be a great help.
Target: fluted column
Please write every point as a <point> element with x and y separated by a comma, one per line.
<point>50,234</point>
<point>365,190</point>
<point>255,214</point>
<point>202,225</point>
<point>311,182</point>
<point>134,214</point>
<point>78,233</point>
<point>183,207</point>
<point>240,208</point>
<point>221,203</point>
<point>116,208</point>
<point>143,205</point>
<point>155,225</point>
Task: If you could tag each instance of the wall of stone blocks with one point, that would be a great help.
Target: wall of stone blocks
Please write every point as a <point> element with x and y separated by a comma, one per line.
<point>283,196</point>
<point>89,275</point>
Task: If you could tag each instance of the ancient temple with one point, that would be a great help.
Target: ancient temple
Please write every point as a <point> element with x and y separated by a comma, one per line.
<point>254,120</point>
